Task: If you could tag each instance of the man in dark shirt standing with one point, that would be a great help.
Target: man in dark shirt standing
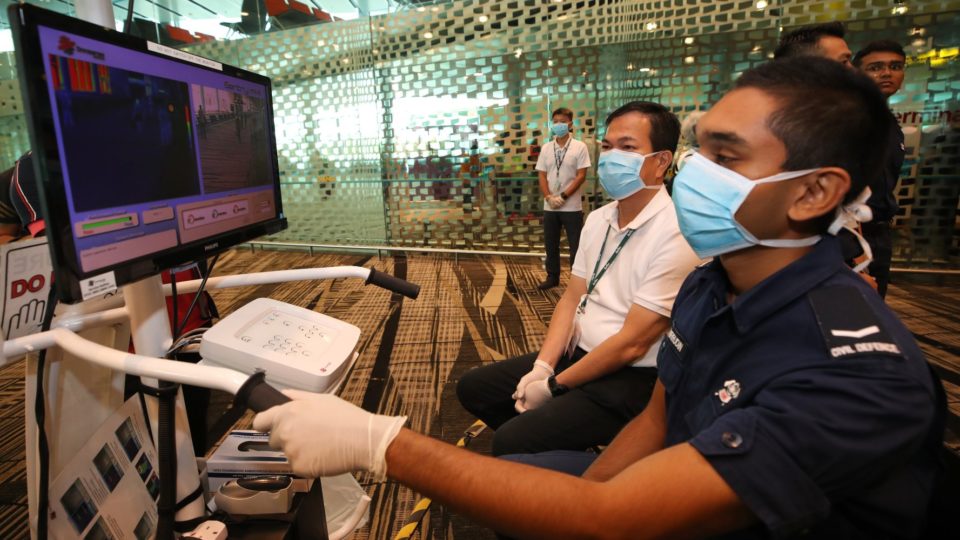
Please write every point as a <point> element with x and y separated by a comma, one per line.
<point>884,61</point>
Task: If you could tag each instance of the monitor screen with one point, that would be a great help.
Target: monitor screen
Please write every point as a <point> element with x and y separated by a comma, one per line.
<point>147,156</point>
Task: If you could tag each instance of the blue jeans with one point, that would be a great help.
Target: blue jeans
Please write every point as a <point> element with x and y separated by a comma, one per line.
<point>565,461</point>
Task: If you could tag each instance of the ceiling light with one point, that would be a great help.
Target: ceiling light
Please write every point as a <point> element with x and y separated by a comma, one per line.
<point>550,63</point>
<point>644,69</point>
<point>243,13</point>
<point>346,60</point>
<point>899,9</point>
<point>689,60</point>
<point>651,25</point>
<point>688,40</point>
<point>761,4</point>
<point>483,18</point>
<point>428,35</point>
<point>629,67</point>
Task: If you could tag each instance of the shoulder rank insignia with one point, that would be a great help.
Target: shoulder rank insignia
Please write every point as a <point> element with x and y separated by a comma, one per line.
<point>849,325</point>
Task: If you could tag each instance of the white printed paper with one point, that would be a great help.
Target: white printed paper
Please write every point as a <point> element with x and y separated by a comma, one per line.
<point>110,488</point>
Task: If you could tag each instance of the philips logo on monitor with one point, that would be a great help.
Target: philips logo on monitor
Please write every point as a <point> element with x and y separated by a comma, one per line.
<point>68,46</point>
<point>212,246</point>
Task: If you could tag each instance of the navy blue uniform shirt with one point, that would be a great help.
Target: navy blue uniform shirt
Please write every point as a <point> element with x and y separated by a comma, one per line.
<point>808,396</point>
<point>883,199</point>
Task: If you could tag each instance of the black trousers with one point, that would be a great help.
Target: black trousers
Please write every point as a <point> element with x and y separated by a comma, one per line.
<point>586,416</point>
<point>572,222</point>
<point>881,243</point>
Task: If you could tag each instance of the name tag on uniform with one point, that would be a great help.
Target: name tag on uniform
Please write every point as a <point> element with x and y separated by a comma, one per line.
<point>675,339</point>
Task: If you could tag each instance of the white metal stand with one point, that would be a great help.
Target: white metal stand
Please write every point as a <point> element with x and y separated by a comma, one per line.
<point>85,378</point>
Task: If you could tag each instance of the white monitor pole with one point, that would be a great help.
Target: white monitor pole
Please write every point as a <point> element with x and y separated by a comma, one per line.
<point>150,330</point>
<point>95,11</point>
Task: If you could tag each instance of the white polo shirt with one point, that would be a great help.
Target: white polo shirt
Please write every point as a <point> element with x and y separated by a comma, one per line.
<point>572,159</point>
<point>648,272</point>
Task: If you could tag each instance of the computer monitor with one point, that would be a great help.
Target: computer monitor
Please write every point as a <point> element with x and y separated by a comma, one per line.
<point>147,157</point>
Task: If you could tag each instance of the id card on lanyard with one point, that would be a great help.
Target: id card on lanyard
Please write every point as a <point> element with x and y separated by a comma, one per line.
<point>559,154</point>
<point>592,284</point>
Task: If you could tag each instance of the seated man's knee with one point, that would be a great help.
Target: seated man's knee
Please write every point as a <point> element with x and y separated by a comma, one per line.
<point>512,438</point>
<point>470,390</point>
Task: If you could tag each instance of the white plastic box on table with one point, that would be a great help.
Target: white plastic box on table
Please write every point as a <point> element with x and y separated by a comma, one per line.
<point>296,347</point>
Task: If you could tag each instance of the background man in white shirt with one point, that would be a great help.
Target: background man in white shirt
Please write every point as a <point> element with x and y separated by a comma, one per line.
<point>613,314</point>
<point>562,168</point>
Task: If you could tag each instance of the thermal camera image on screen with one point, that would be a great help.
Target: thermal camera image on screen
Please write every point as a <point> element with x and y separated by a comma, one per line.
<point>144,120</point>
<point>232,135</point>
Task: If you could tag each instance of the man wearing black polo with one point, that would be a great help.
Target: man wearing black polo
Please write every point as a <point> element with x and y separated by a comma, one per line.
<point>884,62</point>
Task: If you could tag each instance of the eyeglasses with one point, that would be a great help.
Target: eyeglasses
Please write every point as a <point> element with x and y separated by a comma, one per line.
<point>877,67</point>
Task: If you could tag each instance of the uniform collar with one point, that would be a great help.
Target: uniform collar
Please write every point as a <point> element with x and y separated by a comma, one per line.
<point>790,283</point>
<point>659,201</point>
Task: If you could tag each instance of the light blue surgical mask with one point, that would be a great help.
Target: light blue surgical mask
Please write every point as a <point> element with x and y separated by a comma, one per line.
<point>619,173</point>
<point>559,129</point>
<point>707,197</point>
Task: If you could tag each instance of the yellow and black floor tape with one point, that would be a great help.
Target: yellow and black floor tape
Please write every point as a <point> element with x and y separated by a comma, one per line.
<point>412,524</point>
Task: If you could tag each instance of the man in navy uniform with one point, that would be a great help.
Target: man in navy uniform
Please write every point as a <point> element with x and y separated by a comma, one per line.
<point>791,401</point>
<point>884,62</point>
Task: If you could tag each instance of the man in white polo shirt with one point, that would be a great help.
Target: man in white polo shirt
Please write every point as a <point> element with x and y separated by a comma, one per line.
<point>597,366</point>
<point>562,168</point>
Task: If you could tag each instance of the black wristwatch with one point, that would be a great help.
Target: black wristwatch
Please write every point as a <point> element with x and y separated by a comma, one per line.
<point>556,389</point>
<point>563,195</point>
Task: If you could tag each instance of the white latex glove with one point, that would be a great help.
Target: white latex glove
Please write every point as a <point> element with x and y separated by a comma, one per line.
<point>541,370</point>
<point>555,201</point>
<point>323,435</point>
<point>534,395</point>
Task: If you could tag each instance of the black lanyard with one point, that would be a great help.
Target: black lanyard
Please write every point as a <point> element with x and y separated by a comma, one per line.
<point>559,154</point>
<point>597,275</point>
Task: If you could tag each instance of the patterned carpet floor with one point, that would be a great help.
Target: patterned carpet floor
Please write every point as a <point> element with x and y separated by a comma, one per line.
<point>472,310</point>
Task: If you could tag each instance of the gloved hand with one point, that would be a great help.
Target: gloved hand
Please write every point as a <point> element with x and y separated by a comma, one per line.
<point>541,371</point>
<point>534,395</point>
<point>322,435</point>
<point>555,201</point>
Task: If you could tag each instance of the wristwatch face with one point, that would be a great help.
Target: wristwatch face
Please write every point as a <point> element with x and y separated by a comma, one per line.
<point>556,389</point>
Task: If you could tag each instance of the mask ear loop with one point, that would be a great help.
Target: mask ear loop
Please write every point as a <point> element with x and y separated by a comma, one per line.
<point>867,252</point>
<point>850,217</point>
<point>856,211</point>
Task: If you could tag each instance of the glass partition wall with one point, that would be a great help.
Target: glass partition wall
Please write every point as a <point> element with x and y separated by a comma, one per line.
<point>421,128</point>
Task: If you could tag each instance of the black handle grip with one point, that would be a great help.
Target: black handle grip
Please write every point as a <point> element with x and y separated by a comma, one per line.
<point>257,395</point>
<point>395,284</point>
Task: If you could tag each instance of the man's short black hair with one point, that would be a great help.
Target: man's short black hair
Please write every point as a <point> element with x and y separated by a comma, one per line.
<point>883,45</point>
<point>564,112</point>
<point>664,126</point>
<point>828,116</point>
<point>804,40</point>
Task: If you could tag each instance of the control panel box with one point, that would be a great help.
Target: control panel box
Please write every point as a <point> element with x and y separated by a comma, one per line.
<point>296,347</point>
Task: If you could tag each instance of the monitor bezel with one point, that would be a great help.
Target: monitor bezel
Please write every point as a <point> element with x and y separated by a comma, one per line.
<point>24,22</point>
